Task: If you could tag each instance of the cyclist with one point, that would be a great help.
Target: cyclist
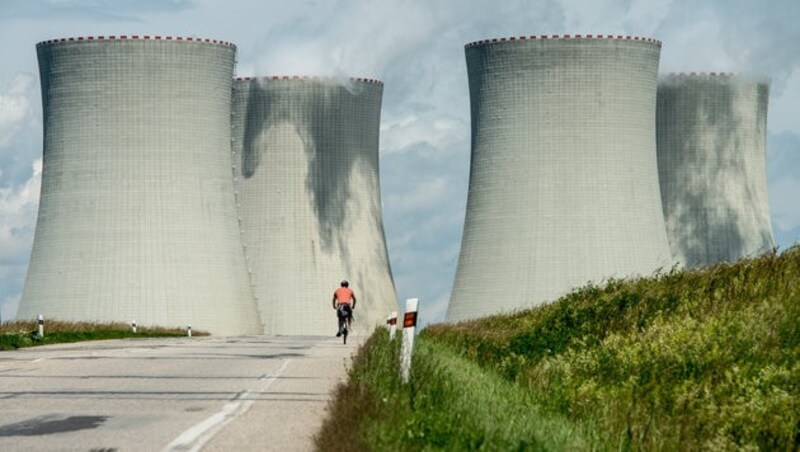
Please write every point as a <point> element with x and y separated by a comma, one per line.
<point>344,302</point>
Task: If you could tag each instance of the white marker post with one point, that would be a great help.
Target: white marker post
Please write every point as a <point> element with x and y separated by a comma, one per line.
<point>40,320</point>
<point>409,327</point>
<point>133,326</point>
<point>391,320</point>
<point>189,331</point>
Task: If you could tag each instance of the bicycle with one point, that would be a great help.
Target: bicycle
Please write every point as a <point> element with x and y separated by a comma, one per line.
<point>345,314</point>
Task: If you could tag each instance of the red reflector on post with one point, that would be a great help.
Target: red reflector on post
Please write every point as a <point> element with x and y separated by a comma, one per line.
<point>410,320</point>
<point>392,321</point>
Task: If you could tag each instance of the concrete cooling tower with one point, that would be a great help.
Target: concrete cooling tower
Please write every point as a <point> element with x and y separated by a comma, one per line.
<point>711,132</point>
<point>137,219</point>
<point>305,154</point>
<point>563,181</point>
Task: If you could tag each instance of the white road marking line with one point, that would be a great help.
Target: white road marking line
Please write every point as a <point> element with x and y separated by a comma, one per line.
<point>197,436</point>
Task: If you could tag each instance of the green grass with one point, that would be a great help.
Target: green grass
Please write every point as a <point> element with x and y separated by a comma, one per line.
<point>448,404</point>
<point>707,359</point>
<point>19,334</point>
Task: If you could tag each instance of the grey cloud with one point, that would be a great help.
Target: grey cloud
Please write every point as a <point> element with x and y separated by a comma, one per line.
<point>425,192</point>
<point>16,244</point>
<point>375,37</point>
<point>20,129</point>
<point>11,280</point>
<point>737,35</point>
<point>416,48</point>
<point>18,208</point>
<point>105,10</point>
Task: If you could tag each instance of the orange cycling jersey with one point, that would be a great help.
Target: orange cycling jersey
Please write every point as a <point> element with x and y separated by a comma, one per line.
<point>343,295</point>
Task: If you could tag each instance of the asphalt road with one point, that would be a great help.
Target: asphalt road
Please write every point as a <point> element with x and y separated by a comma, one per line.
<point>184,394</point>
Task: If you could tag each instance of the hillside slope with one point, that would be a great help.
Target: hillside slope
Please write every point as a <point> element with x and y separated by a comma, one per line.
<point>684,360</point>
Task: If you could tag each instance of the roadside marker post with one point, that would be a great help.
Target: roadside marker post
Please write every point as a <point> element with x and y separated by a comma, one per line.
<point>40,320</point>
<point>133,326</point>
<point>409,328</point>
<point>392,322</point>
<point>189,331</point>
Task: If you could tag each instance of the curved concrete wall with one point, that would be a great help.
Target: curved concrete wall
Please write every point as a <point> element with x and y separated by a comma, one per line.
<point>563,180</point>
<point>711,132</point>
<point>137,219</point>
<point>305,154</point>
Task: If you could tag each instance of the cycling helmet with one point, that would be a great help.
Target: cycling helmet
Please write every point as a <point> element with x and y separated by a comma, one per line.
<point>345,283</point>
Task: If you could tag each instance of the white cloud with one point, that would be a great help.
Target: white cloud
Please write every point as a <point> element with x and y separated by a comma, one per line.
<point>8,307</point>
<point>784,105</point>
<point>441,132</point>
<point>15,106</point>
<point>416,48</point>
<point>18,210</point>
<point>736,35</point>
<point>682,33</point>
<point>88,10</point>
<point>421,196</point>
<point>613,16</point>
<point>358,39</point>
<point>18,193</point>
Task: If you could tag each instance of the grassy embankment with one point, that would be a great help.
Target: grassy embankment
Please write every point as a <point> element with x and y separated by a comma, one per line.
<point>26,333</point>
<point>707,359</point>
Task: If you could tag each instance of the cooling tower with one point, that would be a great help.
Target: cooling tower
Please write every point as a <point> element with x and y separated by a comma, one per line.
<point>711,131</point>
<point>563,183</point>
<point>305,154</point>
<point>137,219</point>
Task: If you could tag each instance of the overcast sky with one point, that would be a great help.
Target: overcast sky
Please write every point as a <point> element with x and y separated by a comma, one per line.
<point>417,49</point>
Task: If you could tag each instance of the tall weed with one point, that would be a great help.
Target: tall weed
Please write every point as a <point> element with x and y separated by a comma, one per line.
<point>448,404</point>
<point>701,359</point>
